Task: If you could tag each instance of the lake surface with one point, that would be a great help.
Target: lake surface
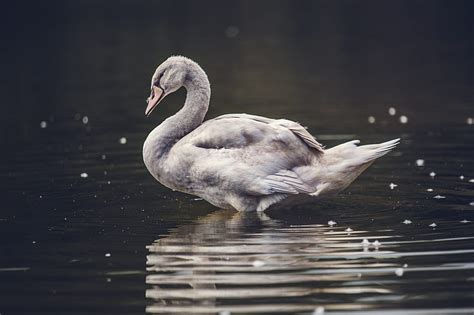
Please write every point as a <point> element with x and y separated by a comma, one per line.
<point>84,229</point>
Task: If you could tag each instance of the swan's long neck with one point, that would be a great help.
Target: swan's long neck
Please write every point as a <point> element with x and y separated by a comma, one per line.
<point>163,137</point>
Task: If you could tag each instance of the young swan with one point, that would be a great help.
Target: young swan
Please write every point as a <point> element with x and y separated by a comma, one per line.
<point>240,161</point>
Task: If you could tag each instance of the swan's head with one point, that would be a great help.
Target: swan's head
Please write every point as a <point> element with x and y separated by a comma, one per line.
<point>168,77</point>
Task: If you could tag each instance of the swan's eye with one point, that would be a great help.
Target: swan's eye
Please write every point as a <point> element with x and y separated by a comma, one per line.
<point>157,82</point>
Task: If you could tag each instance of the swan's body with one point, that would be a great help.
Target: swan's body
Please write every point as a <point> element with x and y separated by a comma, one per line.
<point>241,161</point>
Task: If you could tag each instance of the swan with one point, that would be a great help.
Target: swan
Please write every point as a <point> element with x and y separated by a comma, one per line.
<point>240,161</point>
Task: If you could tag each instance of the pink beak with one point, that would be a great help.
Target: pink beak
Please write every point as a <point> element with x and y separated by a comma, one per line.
<point>156,96</point>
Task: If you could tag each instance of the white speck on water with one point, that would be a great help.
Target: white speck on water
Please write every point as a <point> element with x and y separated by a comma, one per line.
<point>85,120</point>
<point>465,221</point>
<point>371,119</point>
<point>439,197</point>
<point>231,31</point>
<point>33,242</point>
<point>197,199</point>
<point>470,120</point>
<point>420,162</point>
<point>123,140</point>
<point>109,280</point>
<point>399,272</point>
<point>471,203</point>
<point>105,173</point>
<point>108,182</point>
<point>43,124</point>
<point>432,174</point>
<point>392,186</point>
<point>331,222</point>
<point>403,119</point>
<point>433,225</point>
<point>103,156</point>
<point>471,180</point>
<point>407,222</point>
<point>107,255</point>
<point>348,230</point>
<point>461,177</point>
<point>319,310</point>
<point>392,111</point>
<point>376,243</point>
<point>429,189</point>
<point>258,263</point>
<point>365,242</point>
<point>84,175</point>
<point>405,265</point>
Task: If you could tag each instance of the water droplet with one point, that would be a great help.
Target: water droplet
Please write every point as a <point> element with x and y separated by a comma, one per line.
<point>319,310</point>
<point>407,222</point>
<point>258,263</point>
<point>432,174</point>
<point>392,186</point>
<point>403,119</point>
<point>43,124</point>
<point>331,222</point>
<point>433,225</point>
<point>123,140</point>
<point>399,272</point>
<point>429,189</point>
<point>392,111</point>
<point>470,121</point>
<point>85,120</point>
<point>108,254</point>
<point>231,31</point>
<point>371,119</point>
<point>439,197</point>
<point>420,162</point>
<point>84,175</point>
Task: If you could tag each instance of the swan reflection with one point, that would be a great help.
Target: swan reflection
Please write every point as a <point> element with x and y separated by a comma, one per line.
<point>248,262</point>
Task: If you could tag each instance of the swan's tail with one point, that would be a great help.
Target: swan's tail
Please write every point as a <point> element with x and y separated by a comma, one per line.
<point>345,162</point>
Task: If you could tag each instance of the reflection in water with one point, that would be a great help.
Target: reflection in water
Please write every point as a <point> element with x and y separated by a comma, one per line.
<point>250,263</point>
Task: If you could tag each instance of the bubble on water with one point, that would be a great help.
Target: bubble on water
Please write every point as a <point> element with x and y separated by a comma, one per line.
<point>439,197</point>
<point>403,119</point>
<point>471,203</point>
<point>123,140</point>
<point>108,182</point>
<point>84,175</point>
<point>365,242</point>
<point>420,162</point>
<point>407,222</point>
<point>471,180</point>
<point>432,174</point>
<point>461,177</point>
<point>231,31</point>
<point>392,186</point>
<point>465,221</point>
<point>399,272</point>
<point>433,225</point>
<point>331,222</point>
<point>470,120</point>
<point>319,310</point>
<point>376,243</point>
<point>43,124</point>
<point>392,111</point>
<point>108,254</point>
<point>85,120</point>
<point>371,119</point>
<point>348,230</point>
<point>258,263</point>
<point>429,189</point>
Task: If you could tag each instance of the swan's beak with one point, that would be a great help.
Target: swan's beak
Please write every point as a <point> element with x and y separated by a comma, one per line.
<point>157,94</point>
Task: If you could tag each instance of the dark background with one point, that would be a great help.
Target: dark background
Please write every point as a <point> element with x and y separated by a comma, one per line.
<point>327,64</point>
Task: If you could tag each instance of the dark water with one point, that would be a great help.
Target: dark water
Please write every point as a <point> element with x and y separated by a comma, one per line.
<point>117,242</point>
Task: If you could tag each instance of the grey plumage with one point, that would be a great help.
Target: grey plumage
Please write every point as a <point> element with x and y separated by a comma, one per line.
<point>241,161</point>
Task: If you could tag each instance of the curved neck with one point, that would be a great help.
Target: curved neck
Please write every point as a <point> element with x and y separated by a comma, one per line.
<point>188,118</point>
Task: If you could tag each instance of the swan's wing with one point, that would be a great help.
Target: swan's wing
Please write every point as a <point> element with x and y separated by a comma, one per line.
<point>240,130</point>
<point>286,182</point>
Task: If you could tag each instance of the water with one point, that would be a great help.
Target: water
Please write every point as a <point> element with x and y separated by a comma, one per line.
<point>84,229</point>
